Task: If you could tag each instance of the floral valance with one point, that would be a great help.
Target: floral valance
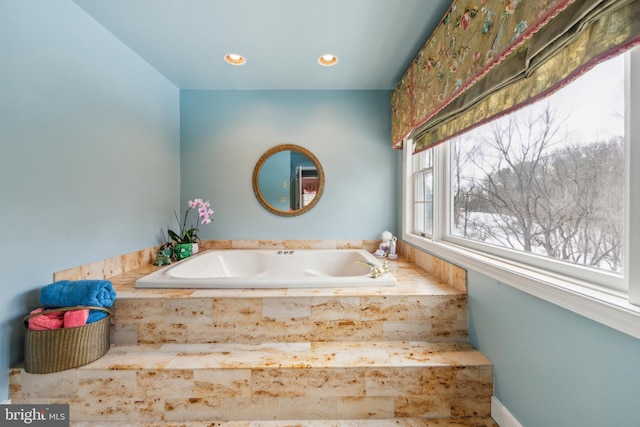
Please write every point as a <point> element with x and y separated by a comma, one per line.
<point>486,46</point>
<point>402,107</point>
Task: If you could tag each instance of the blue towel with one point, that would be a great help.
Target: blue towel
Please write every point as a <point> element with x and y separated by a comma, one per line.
<point>70,293</point>
<point>95,315</point>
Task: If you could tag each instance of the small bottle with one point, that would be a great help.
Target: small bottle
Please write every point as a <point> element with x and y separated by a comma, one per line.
<point>392,249</point>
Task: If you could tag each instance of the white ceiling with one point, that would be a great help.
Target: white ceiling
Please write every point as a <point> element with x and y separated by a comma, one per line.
<point>186,40</point>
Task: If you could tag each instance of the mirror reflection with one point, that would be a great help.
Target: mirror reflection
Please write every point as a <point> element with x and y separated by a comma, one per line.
<point>288,180</point>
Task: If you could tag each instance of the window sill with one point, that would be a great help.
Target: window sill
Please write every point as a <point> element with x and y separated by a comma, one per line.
<point>614,311</point>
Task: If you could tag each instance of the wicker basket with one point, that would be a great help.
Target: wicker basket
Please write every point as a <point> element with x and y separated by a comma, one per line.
<point>59,349</point>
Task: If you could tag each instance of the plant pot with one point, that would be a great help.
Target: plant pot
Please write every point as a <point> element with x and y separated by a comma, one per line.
<point>194,248</point>
<point>183,250</point>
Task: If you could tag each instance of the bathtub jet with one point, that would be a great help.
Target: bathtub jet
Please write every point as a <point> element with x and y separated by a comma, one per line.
<point>259,269</point>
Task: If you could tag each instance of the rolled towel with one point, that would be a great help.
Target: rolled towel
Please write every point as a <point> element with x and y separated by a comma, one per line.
<point>75,318</point>
<point>71,293</point>
<point>46,321</point>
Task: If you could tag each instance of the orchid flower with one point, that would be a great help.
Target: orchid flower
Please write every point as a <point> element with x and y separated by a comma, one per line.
<point>190,235</point>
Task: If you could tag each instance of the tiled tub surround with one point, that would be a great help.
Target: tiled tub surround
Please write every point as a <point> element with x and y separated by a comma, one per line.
<point>417,309</point>
<point>374,356</point>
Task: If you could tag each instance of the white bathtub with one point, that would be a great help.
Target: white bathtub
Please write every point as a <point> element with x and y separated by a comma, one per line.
<point>239,268</point>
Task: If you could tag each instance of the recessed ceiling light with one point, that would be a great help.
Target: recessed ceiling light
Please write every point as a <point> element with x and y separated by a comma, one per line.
<point>234,59</point>
<point>328,60</point>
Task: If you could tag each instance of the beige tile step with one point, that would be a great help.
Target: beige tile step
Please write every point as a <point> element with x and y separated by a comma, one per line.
<point>419,308</point>
<point>274,381</point>
<point>399,422</point>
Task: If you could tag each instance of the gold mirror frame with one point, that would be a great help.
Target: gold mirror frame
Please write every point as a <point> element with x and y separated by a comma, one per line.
<point>265,157</point>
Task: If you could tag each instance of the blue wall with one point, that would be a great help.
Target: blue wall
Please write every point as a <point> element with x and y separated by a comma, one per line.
<point>89,153</point>
<point>224,134</point>
<point>553,367</point>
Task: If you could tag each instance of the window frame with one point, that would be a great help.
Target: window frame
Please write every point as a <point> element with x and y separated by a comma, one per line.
<point>615,309</point>
<point>422,173</point>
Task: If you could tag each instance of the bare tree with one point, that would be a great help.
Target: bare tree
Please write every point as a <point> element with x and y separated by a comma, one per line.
<point>591,179</point>
<point>465,187</point>
<point>512,181</point>
<point>543,199</point>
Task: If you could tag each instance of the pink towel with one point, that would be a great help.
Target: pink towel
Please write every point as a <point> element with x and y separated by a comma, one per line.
<point>46,321</point>
<point>75,318</point>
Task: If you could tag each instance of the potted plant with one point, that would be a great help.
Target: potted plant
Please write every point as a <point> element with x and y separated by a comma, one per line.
<point>186,239</point>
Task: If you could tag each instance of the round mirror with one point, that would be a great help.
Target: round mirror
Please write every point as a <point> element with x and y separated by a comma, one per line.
<point>288,180</point>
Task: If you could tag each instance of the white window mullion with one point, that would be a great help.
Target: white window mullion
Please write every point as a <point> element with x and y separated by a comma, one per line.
<point>632,226</point>
<point>440,191</point>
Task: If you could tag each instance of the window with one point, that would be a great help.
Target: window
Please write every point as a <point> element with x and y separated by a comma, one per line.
<point>548,179</point>
<point>541,193</point>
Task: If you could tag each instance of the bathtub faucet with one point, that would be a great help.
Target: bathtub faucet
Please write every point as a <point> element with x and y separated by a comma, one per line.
<point>376,270</point>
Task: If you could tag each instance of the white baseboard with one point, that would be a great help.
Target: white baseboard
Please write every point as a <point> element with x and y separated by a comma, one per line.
<point>501,415</point>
